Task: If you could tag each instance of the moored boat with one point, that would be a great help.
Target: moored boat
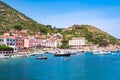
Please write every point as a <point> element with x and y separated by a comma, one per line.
<point>33,54</point>
<point>61,53</point>
<point>101,52</point>
<point>41,57</point>
<point>3,56</point>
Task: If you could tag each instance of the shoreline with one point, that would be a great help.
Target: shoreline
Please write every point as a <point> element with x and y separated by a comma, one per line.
<point>93,49</point>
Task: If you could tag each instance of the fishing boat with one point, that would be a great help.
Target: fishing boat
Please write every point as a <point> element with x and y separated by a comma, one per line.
<point>61,53</point>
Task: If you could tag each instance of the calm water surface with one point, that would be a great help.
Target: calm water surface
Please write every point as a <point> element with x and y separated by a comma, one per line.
<point>82,67</point>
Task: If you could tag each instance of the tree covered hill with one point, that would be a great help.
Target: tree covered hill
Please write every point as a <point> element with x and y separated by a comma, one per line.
<point>91,33</point>
<point>10,17</point>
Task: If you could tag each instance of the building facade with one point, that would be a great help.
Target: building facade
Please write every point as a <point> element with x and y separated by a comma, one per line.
<point>7,41</point>
<point>77,42</point>
<point>19,42</point>
<point>2,41</point>
<point>11,42</point>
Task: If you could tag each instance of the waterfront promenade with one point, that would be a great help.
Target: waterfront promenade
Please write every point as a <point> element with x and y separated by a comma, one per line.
<point>94,50</point>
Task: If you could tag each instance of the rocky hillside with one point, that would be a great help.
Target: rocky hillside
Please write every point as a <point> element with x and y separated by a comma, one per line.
<point>91,33</point>
<point>10,17</point>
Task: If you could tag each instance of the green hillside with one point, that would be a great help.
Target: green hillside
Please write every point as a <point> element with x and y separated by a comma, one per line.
<point>10,17</point>
<point>91,33</point>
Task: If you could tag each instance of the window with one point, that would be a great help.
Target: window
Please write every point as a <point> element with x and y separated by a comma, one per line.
<point>2,40</point>
<point>7,39</point>
<point>10,43</point>
<point>7,43</point>
<point>15,49</point>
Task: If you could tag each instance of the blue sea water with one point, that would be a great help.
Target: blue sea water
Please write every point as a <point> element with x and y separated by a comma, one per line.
<point>82,67</point>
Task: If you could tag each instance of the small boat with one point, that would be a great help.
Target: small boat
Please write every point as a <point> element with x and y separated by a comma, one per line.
<point>101,52</point>
<point>17,55</point>
<point>4,56</point>
<point>41,57</point>
<point>61,53</point>
<point>33,54</point>
<point>46,52</point>
<point>72,53</point>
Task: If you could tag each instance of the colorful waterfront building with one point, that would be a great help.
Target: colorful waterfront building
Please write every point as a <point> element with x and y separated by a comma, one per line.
<point>19,42</point>
<point>8,41</point>
<point>53,43</point>
<point>77,42</point>
<point>27,43</point>
<point>30,43</point>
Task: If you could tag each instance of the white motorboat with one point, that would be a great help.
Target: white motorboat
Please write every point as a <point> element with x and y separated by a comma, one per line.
<point>3,56</point>
<point>61,53</point>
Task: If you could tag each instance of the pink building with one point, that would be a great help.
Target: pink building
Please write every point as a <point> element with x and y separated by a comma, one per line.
<point>19,42</point>
<point>52,42</point>
<point>29,43</point>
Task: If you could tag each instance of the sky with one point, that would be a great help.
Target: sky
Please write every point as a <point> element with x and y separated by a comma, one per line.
<point>104,14</point>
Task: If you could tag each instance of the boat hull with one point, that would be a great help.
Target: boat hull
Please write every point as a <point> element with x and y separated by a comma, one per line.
<point>41,58</point>
<point>61,54</point>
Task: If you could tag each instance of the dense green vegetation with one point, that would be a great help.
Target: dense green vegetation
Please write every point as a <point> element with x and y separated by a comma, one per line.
<point>92,34</point>
<point>18,27</point>
<point>5,48</point>
<point>11,18</point>
<point>64,44</point>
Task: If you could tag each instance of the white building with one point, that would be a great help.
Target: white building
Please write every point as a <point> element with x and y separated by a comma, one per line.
<point>53,43</point>
<point>77,42</point>
<point>11,42</point>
